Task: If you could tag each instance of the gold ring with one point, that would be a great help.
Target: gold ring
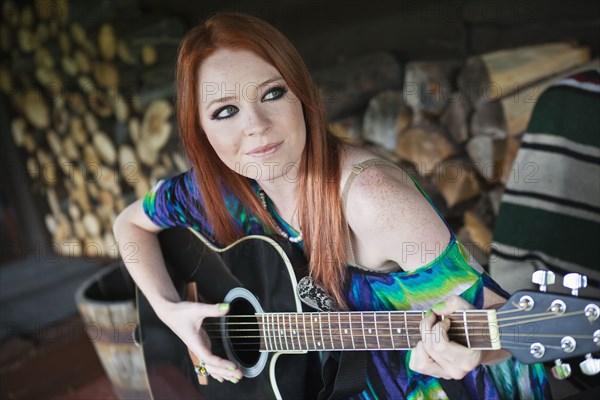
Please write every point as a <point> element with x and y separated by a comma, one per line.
<point>200,370</point>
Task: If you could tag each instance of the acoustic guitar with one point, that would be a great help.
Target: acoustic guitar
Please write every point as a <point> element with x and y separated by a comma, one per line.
<point>274,337</point>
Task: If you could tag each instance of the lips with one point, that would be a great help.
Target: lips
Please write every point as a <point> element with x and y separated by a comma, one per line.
<point>264,150</point>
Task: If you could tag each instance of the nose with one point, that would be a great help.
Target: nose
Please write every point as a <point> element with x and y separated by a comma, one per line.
<point>257,121</point>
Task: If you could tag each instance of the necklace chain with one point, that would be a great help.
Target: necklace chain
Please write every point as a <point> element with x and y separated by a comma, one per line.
<point>280,230</point>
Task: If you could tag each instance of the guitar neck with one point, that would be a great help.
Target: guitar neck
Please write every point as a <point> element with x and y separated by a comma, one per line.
<point>373,330</point>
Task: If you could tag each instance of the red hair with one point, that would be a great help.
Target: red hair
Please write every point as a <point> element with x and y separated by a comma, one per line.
<point>321,216</point>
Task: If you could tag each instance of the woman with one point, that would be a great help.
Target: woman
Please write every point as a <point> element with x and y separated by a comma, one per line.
<point>263,162</point>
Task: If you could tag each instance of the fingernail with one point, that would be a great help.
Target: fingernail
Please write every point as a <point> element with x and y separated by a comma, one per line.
<point>234,381</point>
<point>231,368</point>
<point>439,306</point>
<point>428,313</point>
<point>223,307</point>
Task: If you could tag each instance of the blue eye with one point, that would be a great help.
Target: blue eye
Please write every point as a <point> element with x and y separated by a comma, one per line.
<point>274,94</point>
<point>229,111</point>
<point>224,113</point>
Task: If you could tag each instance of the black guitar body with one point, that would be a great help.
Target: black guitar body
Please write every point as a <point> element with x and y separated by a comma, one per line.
<point>254,264</point>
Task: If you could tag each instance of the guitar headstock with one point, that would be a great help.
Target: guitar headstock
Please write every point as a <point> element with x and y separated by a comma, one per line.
<point>539,326</point>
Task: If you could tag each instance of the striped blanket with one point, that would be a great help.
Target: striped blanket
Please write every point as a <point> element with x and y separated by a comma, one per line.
<point>550,212</point>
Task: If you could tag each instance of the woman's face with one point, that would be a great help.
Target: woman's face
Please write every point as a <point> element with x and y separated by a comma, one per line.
<point>250,116</point>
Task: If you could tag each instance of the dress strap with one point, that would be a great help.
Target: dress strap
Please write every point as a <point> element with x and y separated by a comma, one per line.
<point>356,170</point>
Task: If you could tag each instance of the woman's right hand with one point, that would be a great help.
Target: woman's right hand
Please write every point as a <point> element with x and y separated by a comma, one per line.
<point>134,229</point>
<point>185,320</point>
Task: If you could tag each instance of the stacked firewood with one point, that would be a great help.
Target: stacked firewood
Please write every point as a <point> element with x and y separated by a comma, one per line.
<point>457,125</point>
<point>91,111</point>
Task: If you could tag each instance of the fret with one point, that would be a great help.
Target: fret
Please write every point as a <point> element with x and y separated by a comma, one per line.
<point>376,331</point>
<point>289,330</point>
<point>330,331</point>
<point>477,328</point>
<point>261,332</point>
<point>340,328</point>
<point>271,337</point>
<point>322,342</point>
<point>274,331</point>
<point>266,332</point>
<point>362,322</point>
<point>406,329</point>
<point>464,313</point>
<point>281,330</point>
<point>357,321</point>
<point>271,333</point>
<point>312,329</point>
<point>398,330</point>
<point>278,331</point>
<point>345,331</point>
<point>384,333</point>
<point>351,333</point>
<point>305,331</point>
<point>391,331</point>
<point>298,333</point>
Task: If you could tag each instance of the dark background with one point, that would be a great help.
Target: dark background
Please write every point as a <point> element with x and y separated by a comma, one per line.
<point>326,32</point>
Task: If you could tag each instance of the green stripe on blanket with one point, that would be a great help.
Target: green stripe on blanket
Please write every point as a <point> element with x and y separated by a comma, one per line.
<point>582,107</point>
<point>558,235</point>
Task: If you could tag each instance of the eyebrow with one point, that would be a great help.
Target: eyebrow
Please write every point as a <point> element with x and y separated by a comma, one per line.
<point>227,98</point>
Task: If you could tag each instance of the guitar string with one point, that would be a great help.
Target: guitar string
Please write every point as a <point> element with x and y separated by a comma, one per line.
<point>398,341</point>
<point>368,345</point>
<point>416,330</point>
<point>455,316</point>
<point>331,333</point>
<point>335,335</point>
<point>510,321</point>
<point>302,347</point>
<point>506,343</point>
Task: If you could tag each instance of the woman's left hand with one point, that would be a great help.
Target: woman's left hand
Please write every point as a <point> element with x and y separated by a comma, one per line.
<point>437,356</point>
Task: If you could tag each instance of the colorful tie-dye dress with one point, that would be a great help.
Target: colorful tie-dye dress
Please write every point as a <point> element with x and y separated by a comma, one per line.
<point>177,202</point>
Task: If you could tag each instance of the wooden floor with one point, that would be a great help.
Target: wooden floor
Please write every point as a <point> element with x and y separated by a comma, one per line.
<point>58,362</point>
<point>99,389</point>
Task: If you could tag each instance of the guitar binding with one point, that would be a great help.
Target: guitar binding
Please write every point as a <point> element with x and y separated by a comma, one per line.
<point>243,303</point>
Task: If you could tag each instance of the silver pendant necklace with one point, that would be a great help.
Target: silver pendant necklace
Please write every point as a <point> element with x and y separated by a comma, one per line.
<point>280,230</point>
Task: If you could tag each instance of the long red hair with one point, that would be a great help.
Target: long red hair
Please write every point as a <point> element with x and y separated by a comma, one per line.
<point>321,215</point>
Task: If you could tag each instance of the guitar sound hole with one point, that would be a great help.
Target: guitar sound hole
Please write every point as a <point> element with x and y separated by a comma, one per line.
<point>243,334</point>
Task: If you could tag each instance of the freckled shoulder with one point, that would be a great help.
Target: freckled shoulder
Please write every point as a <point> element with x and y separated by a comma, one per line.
<point>380,194</point>
<point>384,209</point>
<point>373,179</point>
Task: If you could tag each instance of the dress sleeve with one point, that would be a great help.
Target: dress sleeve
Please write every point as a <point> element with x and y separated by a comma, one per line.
<point>176,202</point>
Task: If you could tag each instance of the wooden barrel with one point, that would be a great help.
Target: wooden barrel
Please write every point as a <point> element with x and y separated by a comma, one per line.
<point>106,304</point>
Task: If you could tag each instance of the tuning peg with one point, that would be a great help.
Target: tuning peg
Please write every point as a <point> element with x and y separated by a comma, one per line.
<point>575,281</point>
<point>544,278</point>
<point>561,371</point>
<point>590,366</point>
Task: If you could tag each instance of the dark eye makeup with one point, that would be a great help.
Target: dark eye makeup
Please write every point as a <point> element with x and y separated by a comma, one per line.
<point>229,111</point>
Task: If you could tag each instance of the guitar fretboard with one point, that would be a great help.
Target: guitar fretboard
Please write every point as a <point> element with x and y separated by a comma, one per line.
<point>380,330</point>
